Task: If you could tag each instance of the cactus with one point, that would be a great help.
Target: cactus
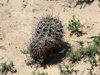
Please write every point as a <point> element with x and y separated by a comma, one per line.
<point>47,36</point>
<point>49,26</point>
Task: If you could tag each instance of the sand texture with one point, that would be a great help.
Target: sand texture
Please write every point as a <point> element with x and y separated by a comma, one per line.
<point>18,19</point>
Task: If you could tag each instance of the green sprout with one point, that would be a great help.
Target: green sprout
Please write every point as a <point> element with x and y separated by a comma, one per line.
<point>60,67</point>
<point>96,40</point>
<point>91,50</point>
<point>99,5</point>
<point>81,43</point>
<point>24,51</point>
<point>74,25</point>
<point>64,69</point>
<point>6,67</point>
<point>68,53</point>
<point>99,58</point>
<point>38,73</point>
<point>41,59</point>
<point>90,71</point>
<point>92,60</point>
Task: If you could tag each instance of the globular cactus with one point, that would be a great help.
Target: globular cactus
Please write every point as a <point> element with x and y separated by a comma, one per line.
<point>47,36</point>
<point>49,26</point>
<point>39,47</point>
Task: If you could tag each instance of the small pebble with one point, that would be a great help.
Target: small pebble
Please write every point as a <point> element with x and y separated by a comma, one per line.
<point>89,41</point>
<point>75,40</point>
<point>1,58</point>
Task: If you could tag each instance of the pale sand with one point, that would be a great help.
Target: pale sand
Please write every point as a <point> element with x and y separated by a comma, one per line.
<point>18,17</point>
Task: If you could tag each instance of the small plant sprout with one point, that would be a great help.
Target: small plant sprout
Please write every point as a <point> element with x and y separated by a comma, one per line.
<point>38,73</point>
<point>25,51</point>
<point>72,65</point>
<point>76,55</point>
<point>99,5</point>
<point>33,72</point>
<point>65,69</point>
<point>74,25</point>
<point>60,67</point>
<point>68,53</point>
<point>96,40</point>
<point>5,68</point>
<point>88,51</point>
<point>99,58</point>
<point>81,43</point>
<point>90,71</point>
<point>92,60</point>
<point>41,59</point>
<point>62,51</point>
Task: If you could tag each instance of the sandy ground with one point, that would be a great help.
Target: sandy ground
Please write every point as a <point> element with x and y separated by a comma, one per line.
<point>17,21</point>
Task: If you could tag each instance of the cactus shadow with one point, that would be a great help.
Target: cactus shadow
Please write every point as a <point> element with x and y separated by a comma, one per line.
<point>82,2</point>
<point>58,58</point>
<point>77,33</point>
<point>52,60</point>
